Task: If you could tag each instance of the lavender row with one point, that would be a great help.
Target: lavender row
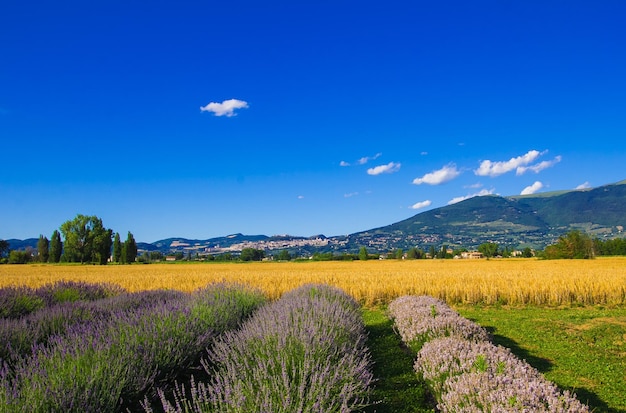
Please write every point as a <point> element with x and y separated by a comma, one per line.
<point>305,352</point>
<point>473,376</point>
<point>465,371</point>
<point>16,302</point>
<point>419,319</point>
<point>129,345</point>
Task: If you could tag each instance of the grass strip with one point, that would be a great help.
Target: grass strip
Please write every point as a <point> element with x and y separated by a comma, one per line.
<point>397,387</point>
<point>578,348</point>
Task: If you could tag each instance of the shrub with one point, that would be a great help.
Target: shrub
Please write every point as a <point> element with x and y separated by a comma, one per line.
<point>419,319</point>
<point>303,353</point>
<point>17,302</point>
<point>68,291</point>
<point>480,376</point>
<point>114,360</point>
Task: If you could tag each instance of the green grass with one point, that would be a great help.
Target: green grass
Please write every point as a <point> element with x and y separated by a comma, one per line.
<point>397,388</point>
<point>582,349</point>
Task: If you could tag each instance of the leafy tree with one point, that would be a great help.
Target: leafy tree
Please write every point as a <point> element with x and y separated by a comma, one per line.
<point>117,248</point>
<point>56,247</point>
<point>399,254</point>
<point>155,255</point>
<point>363,254</point>
<point>414,254</point>
<point>4,247</point>
<point>86,240</point>
<point>43,250</point>
<point>252,254</point>
<point>129,250</point>
<point>283,255</point>
<point>431,251</point>
<point>527,252</point>
<point>488,249</point>
<point>20,257</point>
<point>572,245</point>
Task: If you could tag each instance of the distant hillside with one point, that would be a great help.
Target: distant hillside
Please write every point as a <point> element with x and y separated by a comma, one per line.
<point>516,221</point>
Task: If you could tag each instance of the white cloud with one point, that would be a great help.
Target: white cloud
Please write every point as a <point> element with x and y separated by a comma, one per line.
<point>226,108</point>
<point>390,168</point>
<point>439,176</point>
<point>538,167</point>
<point>463,198</point>
<point>532,188</point>
<point>366,159</point>
<point>300,196</point>
<point>489,168</point>
<point>421,205</point>
<point>361,161</point>
<point>585,185</point>
<point>350,195</point>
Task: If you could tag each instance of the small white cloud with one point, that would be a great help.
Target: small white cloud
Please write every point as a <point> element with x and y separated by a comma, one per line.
<point>538,167</point>
<point>344,163</point>
<point>445,174</point>
<point>423,153</point>
<point>585,185</point>
<point>531,189</point>
<point>366,159</point>
<point>300,196</point>
<point>226,108</point>
<point>422,204</point>
<point>489,168</point>
<point>390,168</point>
<point>482,192</point>
<point>350,195</point>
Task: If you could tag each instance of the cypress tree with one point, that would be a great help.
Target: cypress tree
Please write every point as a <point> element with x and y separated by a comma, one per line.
<point>56,247</point>
<point>43,246</point>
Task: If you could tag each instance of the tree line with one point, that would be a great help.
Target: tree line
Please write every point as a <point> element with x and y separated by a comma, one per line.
<point>85,240</point>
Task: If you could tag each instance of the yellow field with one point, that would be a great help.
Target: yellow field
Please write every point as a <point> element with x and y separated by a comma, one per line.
<point>510,281</point>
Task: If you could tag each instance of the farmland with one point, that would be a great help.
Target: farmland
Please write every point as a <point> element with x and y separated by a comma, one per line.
<point>535,307</point>
<point>502,282</point>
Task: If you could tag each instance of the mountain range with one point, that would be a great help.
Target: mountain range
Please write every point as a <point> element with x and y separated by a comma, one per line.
<point>516,222</point>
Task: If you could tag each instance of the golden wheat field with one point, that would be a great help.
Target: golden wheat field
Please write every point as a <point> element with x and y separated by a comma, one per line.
<point>506,281</point>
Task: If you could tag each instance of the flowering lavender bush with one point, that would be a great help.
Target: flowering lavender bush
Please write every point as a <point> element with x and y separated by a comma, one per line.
<point>303,353</point>
<point>465,371</point>
<point>114,359</point>
<point>472,376</point>
<point>16,302</point>
<point>64,291</point>
<point>419,319</point>
<point>18,336</point>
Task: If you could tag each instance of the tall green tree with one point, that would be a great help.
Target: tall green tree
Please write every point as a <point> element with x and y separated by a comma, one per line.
<point>252,254</point>
<point>488,249</point>
<point>86,240</point>
<point>43,246</point>
<point>117,248</point>
<point>129,250</point>
<point>56,247</point>
<point>363,254</point>
<point>574,244</point>
<point>4,247</point>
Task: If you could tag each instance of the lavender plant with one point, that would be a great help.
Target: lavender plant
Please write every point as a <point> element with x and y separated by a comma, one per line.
<point>114,360</point>
<point>16,302</point>
<point>473,376</point>
<point>64,291</point>
<point>18,336</point>
<point>303,353</point>
<point>419,319</point>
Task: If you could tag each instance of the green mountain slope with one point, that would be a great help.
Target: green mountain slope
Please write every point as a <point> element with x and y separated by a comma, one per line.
<point>516,221</point>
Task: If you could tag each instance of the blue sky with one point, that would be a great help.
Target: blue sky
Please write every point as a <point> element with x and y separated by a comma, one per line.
<point>200,119</point>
